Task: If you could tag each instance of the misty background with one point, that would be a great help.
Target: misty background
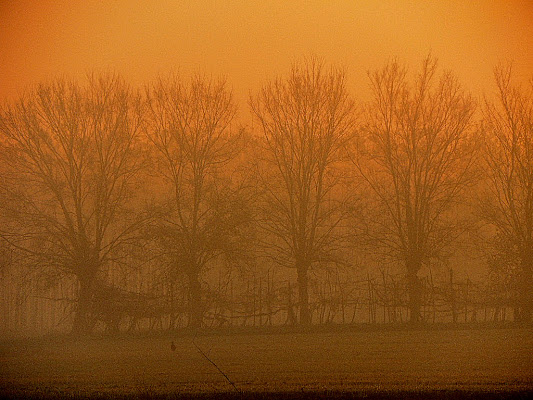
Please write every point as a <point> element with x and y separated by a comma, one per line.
<point>167,166</point>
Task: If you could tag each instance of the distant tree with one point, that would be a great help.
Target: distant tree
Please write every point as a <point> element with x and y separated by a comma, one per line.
<point>204,214</point>
<point>71,156</point>
<point>415,156</point>
<point>306,120</point>
<point>5,248</point>
<point>502,282</point>
<point>507,203</point>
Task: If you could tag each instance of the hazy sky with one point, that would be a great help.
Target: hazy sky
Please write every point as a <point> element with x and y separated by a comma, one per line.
<point>251,41</point>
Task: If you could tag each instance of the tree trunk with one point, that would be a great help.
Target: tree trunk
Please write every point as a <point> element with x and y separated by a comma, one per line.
<point>303,295</point>
<point>414,288</point>
<point>195,302</point>
<point>452,298</point>
<point>526,289</point>
<point>82,320</point>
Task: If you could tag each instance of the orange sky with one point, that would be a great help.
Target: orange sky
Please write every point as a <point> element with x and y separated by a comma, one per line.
<point>251,41</point>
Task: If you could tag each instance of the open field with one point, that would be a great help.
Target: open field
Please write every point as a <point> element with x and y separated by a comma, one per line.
<point>482,361</point>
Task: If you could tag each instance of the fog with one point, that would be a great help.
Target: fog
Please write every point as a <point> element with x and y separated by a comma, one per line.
<point>251,42</point>
<point>343,191</point>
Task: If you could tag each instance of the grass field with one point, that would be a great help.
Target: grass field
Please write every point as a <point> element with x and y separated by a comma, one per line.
<point>331,364</point>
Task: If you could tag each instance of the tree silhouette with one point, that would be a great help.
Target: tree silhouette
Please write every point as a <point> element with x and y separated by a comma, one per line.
<point>415,156</point>
<point>189,124</point>
<point>306,120</point>
<point>71,154</point>
<point>507,203</point>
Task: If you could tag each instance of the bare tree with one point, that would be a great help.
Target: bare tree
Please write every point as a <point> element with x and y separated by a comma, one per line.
<point>415,156</point>
<point>71,156</point>
<point>306,120</point>
<point>507,203</point>
<point>190,127</point>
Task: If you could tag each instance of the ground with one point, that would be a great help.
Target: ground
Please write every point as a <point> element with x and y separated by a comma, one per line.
<point>486,361</point>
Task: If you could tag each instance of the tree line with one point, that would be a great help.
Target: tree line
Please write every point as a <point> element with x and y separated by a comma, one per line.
<point>100,179</point>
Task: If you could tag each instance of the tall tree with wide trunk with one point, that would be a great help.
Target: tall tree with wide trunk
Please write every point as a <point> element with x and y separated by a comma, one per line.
<point>415,156</point>
<point>190,126</point>
<point>305,120</point>
<point>71,157</point>
<point>507,203</point>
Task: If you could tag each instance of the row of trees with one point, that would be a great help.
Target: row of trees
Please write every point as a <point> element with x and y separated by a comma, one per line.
<point>100,176</point>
